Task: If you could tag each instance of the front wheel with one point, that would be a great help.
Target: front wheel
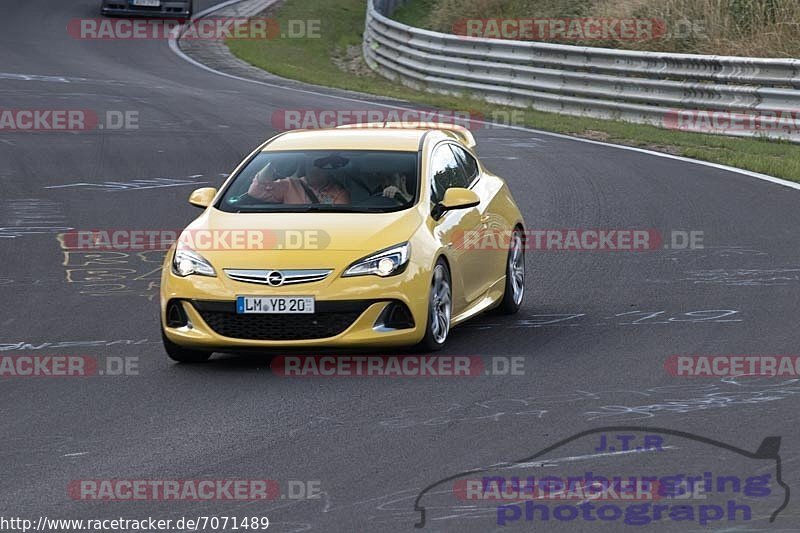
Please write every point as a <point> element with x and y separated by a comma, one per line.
<point>440,307</point>
<point>515,275</point>
<point>181,354</point>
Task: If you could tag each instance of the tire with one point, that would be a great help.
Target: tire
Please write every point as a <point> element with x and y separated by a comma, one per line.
<point>181,354</point>
<point>514,291</point>
<point>440,307</point>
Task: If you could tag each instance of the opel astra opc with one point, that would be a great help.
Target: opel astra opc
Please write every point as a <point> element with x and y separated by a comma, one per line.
<point>349,237</point>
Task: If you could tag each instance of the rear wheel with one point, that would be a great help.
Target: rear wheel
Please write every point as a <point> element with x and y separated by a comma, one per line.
<point>181,354</point>
<point>440,307</point>
<point>515,275</point>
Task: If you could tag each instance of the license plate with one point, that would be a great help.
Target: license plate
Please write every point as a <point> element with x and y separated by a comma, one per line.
<point>147,3</point>
<point>275,304</point>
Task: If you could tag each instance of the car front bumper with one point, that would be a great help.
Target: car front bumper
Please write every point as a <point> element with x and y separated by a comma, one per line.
<point>351,312</point>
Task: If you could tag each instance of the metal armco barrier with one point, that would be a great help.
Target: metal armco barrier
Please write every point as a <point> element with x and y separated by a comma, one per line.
<point>741,96</point>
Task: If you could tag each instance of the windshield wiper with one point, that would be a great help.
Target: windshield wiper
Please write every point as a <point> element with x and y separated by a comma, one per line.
<point>327,208</point>
<point>316,208</point>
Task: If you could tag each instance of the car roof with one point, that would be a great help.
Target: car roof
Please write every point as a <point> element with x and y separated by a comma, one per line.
<point>406,140</point>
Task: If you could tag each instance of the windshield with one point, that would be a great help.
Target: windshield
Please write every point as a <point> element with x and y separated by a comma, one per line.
<point>317,180</point>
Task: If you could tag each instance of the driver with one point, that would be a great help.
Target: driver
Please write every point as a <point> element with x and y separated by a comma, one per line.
<point>317,187</point>
<point>394,186</point>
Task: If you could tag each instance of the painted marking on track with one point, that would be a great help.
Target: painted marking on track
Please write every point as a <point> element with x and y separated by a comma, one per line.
<point>30,216</point>
<point>24,345</point>
<point>137,184</point>
<point>572,458</point>
<point>36,77</point>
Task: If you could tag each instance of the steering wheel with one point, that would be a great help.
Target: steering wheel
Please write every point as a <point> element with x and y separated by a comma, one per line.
<point>378,199</point>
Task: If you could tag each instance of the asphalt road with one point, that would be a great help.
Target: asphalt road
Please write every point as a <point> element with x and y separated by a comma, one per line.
<point>372,444</point>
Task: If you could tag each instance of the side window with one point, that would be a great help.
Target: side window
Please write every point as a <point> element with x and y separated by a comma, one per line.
<point>446,172</point>
<point>467,163</point>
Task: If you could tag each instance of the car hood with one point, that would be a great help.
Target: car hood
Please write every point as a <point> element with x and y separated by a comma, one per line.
<point>296,240</point>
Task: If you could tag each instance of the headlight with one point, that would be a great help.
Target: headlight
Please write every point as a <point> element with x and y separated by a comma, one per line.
<point>384,263</point>
<point>187,262</point>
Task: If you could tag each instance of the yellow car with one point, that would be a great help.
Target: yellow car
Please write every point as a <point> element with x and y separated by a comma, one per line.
<point>376,235</point>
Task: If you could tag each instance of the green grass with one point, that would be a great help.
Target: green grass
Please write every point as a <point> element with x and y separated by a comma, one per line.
<point>415,13</point>
<point>319,61</point>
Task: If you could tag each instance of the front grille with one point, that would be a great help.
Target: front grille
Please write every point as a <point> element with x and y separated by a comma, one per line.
<point>284,277</point>
<point>329,320</point>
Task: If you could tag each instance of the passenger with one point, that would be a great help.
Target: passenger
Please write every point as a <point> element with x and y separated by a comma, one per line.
<point>317,187</point>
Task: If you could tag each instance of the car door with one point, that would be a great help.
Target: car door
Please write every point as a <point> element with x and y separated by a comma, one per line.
<point>484,262</point>
<point>447,172</point>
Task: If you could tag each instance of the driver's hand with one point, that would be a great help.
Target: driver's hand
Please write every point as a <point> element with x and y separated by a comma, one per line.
<point>390,191</point>
<point>274,191</point>
<point>263,176</point>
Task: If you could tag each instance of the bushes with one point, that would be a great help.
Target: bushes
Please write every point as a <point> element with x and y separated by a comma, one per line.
<point>762,28</point>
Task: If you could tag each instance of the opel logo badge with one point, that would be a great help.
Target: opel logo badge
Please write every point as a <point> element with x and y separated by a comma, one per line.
<point>275,278</point>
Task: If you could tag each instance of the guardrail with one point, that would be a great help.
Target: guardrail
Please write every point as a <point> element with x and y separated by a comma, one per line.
<point>715,94</point>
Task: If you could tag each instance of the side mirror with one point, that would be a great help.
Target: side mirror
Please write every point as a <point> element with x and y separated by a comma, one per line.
<point>455,198</point>
<point>203,197</point>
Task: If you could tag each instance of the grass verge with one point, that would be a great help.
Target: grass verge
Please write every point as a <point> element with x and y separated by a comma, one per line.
<point>334,60</point>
